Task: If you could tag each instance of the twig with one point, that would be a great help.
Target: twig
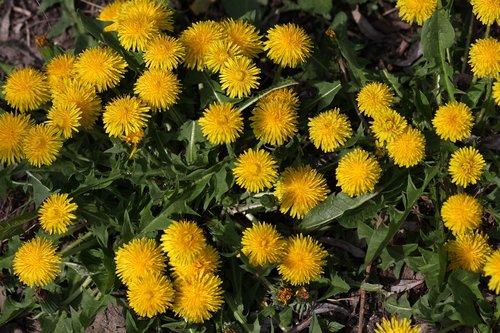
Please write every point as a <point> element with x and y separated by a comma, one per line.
<point>362,300</point>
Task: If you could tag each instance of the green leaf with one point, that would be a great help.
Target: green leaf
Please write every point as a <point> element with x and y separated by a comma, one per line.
<point>190,132</point>
<point>326,93</point>
<point>315,327</point>
<point>40,191</point>
<point>237,9</point>
<point>14,225</point>
<point>464,286</point>
<point>437,35</point>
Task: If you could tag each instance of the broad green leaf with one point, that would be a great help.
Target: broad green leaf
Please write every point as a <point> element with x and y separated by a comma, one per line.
<point>464,286</point>
<point>326,93</point>
<point>315,327</point>
<point>40,191</point>
<point>437,35</point>
<point>14,225</point>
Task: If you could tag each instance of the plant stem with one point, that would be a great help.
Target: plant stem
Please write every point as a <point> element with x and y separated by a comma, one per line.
<point>76,242</point>
<point>468,40</point>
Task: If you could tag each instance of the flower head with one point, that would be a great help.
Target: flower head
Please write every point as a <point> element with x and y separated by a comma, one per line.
<point>244,35</point>
<point>484,57</point>
<point>461,213</point>
<point>59,69</point>
<point>300,189</point>
<point>239,76</point>
<point>416,10</point>
<point>183,241</point>
<point>387,125</point>
<point>254,170</point>
<point>138,259</point>
<point>453,121</point>
<point>207,261</point>
<point>41,145</point>
<point>65,118</point>
<point>151,295</point>
<point>373,98</point>
<point>26,89</point>
<point>357,173</point>
<point>110,13</point>
<point>198,297</point>
<point>124,115</point>
<point>219,52</point>
<point>329,130</point>
<point>396,325</point>
<point>492,269</point>
<point>303,260</point>
<point>57,213</point>
<point>163,52</point>
<point>13,130</point>
<point>100,67</point>
<point>197,40</point>
<point>37,262</point>
<point>469,251</point>
<point>288,45</point>
<point>262,244</point>
<point>407,149</point>
<point>486,11</point>
<point>158,88</point>
<point>466,166</point>
<point>221,123</point>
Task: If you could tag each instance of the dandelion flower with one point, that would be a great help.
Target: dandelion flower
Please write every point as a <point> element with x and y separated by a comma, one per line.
<point>288,45</point>
<point>57,213</point>
<point>198,297</point>
<point>151,295</point>
<point>36,262</point>
<point>286,96</point>
<point>239,76</point>
<point>65,118</point>
<point>262,244</point>
<point>163,52</point>
<point>416,10</point>
<point>138,259</point>
<point>492,269</point>
<point>484,57</point>
<point>453,121</point>
<point>461,213</point>
<point>396,325</point>
<point>133,138</point>
<point>41,145</point>
<point>124,115</point>
<point>469,251</point>
<point>207,261</point>
<point>219,52</point>
<point>59,69</point>
<point>110,13</point>
<point>221,123</point>
<point>197,40</point>
<point>26,89</point>
<point>387,125</point>
<point>329,130</point>
<point>158,88</point>
<point>183,241</point>
<point>100,67</point>
<point>466,166</point>
<point>254,170</point>
<point>407,149</point>
<point>373,98</point>
<point>13,130</point>
<point>357,173</point>
<point>486,11</point>
<point>300,189</point>
<point>303,260</point>
<point>274,122</point>
<point>244,35</point>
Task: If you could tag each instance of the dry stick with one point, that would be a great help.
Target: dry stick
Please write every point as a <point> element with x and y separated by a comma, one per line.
<point>362,300</point>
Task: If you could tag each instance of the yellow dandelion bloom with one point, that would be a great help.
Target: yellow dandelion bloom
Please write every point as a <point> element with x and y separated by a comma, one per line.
<point>207,261</point>
<point>41,145</point>
<point>59,69</point>
<point>486,11</point>
<point>329,130</point>
<point>197,40</point>
<point>407,149</point>
<point>219,52</point>
<point>303,260</point>
<point>239,76</point>
<point>26,89</point>
<point>156,11</point>
<point>288,45</point>
<point>198,297</point>
<point>416,10</point>
<point>158,88</point>
<point>138,259</point>
<point>461,213</point>
<point>469,251</point>
<point>124,115</point>
<point>387,125</point>
<point>100,67</point>
<point>183,241</point>
<point>484,57</point>
<point>357,173</point>
<point>396,325</point>
<point>299,190</point>
<point>286,96</point>
<point>243,34</point>
<point>163,52</point>
<point>133,138</point>
<point>151,295</point>
<point>496,92</point>
<point>466,166</point>
<point>453,121</point>
<point>262,244</point>
<point>274,122</point>
<point>57,213</point>
<point>492,269</point>
<point>374,98</point>
<point>110,13</point>
<point>65,118</point>
<point>36,262</point>
<point>221,123</point>
<point>254,170</point>
<point>13,130</point>
<point>84,97</point>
